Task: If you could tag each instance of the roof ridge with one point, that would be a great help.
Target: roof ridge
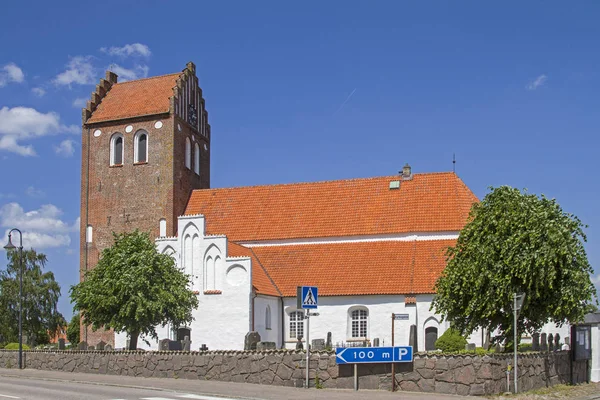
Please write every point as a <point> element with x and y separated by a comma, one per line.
<point>147,78</point>
<point>324,181</point>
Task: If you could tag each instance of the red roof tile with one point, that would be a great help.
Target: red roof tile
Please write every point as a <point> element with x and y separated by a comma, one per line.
<point>428,203</point>
<point>260,279</point>
<point>136,98</point>
<point>358,268</point>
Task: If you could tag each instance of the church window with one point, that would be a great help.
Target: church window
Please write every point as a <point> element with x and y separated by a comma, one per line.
<point>268,317</point>
<point>359,321</point>
<point>296,324</point>
<point>188,153</point>
<point>140,144</point>
<point>116,149</point>
<point>197,159</point>
<point>88,234</point>
<point>162,227</point>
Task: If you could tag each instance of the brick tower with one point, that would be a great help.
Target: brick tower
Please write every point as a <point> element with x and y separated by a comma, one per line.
<point>145,147</point>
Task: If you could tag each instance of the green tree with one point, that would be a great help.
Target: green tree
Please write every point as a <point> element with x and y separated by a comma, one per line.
<point>451,341</point>
<point>40,299</point>
<point>515,242</point>
<point>73,330</point>
<point>133,289</point>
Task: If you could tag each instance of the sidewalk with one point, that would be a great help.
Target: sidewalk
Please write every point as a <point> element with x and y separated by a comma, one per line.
<point>230,389</point>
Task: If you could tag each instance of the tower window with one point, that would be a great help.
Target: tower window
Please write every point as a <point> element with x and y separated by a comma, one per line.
<point>162,227</point>
<point>197,159</point>
<point>188,153</point>
<point>116,149</point>
<point>140,147</point>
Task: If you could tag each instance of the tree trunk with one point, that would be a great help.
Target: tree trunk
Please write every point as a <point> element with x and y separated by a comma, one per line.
<point>133,339</point>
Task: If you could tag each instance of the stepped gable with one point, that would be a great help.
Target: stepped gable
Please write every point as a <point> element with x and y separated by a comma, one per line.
<point>429,202</point>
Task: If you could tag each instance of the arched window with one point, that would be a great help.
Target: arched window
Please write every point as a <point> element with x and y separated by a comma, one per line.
<point>296,324</point>
<point>359,319</point>
<point>162,227</point>
<point>188,153</point>
<point>116,149</point>
<point>140,144</point>
<point>88,234</point>
<point>197,159</point>
<point>268,317</point>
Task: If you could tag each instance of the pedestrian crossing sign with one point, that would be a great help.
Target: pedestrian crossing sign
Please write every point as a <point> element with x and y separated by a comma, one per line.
<point>307,297</point>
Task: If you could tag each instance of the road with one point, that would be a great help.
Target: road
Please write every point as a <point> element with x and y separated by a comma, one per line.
<point>29,384</point>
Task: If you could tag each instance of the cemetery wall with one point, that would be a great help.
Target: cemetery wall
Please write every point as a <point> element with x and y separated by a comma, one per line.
<point>455,374</point>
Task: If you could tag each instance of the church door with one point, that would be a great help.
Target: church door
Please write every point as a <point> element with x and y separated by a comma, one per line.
<point>182,333</point>
<point>431,335</point>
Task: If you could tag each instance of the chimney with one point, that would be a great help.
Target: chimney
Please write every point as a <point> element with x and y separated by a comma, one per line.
<point>111,77</point>
<point>406,172</point>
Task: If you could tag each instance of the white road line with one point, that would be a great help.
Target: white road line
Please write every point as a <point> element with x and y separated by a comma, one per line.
<point>9,397</point>
<point>199,397</point>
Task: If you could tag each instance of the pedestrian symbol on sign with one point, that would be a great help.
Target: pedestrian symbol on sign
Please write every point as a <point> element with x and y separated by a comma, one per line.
<point>307,297</point>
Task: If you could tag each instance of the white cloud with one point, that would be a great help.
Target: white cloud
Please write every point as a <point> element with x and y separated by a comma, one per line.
<point>33,192</point>
<point>139,71</point>
<point>79,102</point>
<point>596,279</point>
<point>135,49</point>
<point>38,91</point>
<point>11,73</point>
<point>79,70</point>
<point>21,123</point>
<point>66,148</point>
<point>537,82</point>
<point>42,228</point>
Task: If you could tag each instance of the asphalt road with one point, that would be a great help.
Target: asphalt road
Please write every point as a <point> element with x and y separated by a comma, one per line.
<point>29,384</point>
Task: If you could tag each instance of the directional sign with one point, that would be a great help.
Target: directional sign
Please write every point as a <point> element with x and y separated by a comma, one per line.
<point>308,297</point>
<point>401,317</point>
<point>364,355</point>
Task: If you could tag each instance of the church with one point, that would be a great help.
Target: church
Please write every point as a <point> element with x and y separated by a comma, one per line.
<point>373,246</point>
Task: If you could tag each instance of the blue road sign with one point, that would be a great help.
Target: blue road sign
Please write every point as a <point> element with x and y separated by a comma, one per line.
<point>309,297</point>
<point>364,355</point>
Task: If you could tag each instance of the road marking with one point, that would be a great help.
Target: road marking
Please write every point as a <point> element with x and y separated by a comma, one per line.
<point>199,397</point>
<point>9,397</point>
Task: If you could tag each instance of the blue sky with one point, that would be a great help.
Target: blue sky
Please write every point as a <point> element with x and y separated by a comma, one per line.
<point>310,91</point>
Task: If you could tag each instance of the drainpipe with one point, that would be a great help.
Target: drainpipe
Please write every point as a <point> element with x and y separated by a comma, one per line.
<point>253,296</point>
<point>282,324</point>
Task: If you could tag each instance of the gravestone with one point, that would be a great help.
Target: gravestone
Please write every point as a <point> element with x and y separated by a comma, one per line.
<point>550,342</point>
<point>486,342</point>
<point>470,346</point>
<point>186,344</point>
<point>412,338</point>
<point>265,346</point>
<point>82,346</point>
<point>543,343</point>
<point>376,342</point>
<point>498,348</point>
<point>251,339</point>
<point>91,348</point>
<point>557,342</point>
<point>100,346</point>
<point>127,344</point>
<point>299,345</point>
<point>203,347</point>
<point>108,347</point>
<point>163,344</point>
<point>328,343</point>
<point>318,344</point>
<point>175,345</point>
<point>535,343</point>
<point>61,344</point>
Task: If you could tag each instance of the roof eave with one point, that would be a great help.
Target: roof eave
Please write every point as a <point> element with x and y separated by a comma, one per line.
<point>124,118</point>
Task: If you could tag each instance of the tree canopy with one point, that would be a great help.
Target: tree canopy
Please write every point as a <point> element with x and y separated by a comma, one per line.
<point>515,242</point>
<point>40,299</point>
<point>73,330</point>
<point>133,289</point>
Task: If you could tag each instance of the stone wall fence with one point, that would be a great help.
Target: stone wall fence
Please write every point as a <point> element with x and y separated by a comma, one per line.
<point>464,374</point>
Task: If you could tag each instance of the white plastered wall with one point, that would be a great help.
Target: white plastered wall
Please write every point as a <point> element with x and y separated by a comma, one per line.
<point>595,362</point>
<point>260,310</point>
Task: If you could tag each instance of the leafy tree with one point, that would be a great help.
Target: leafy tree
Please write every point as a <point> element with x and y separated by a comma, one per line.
<point>451,341</point>
<point>40,298</point>
<point>133,289</point>
<point>73,329</point>
<point>515,242</point>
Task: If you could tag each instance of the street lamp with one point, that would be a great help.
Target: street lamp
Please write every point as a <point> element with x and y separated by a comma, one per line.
<point>10,247</point>
<point>518,300</point>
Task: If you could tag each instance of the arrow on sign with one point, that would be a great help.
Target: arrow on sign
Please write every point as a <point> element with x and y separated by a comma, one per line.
<point>339,355</point>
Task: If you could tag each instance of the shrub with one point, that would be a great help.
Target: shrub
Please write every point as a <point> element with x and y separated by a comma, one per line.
<point>15,346</point>
<point>451,341</point>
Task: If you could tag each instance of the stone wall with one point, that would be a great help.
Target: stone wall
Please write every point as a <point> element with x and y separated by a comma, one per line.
<point>459,374</point>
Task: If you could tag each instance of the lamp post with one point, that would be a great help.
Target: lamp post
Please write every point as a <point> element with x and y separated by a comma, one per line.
<point>518,303</point>
<point>10,247</point>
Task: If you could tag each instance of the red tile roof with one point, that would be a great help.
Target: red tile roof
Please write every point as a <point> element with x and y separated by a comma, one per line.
<point>136,98</point>
<point>357,268</point>
<point>260,280</point>
<point>428,203</point>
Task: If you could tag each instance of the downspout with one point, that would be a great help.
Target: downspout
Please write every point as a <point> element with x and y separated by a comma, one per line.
<point>87,214</point>
<point>282,323</point>
<point>253,297</point>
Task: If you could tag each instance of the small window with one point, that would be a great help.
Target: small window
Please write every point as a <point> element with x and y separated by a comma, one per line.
<point>116,149</point>
<point>268,318</point>
<point>188,153</point>
<point>197,159</point>
<point>140,147</point>
<point>88,234</point>
<point>162,227</point>
<point>296,324</point>
<point>359,323</point>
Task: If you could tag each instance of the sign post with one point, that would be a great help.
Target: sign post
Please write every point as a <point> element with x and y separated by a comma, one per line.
<point>307,298</point>
<point>401,317</point>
